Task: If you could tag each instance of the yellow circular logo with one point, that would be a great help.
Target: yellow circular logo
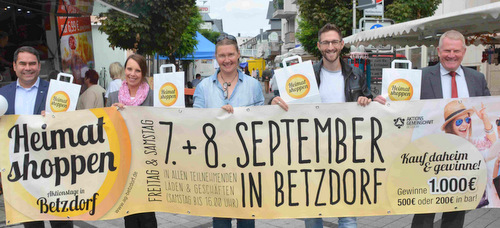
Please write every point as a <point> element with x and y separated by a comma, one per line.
<point>400,90</point>
<point>168,94</point>
<point>59,102</point>
<point>83,177</point>
<point>298,86</point>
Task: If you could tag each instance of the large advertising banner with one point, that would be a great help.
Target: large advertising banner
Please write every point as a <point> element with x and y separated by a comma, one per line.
<point>76,39</point>
<point>316,160</point>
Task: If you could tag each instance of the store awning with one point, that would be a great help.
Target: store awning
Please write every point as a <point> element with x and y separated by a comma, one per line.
<point>426,31</point>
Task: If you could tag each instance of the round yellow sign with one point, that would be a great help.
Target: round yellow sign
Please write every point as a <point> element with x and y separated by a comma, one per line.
<point>59,102</point>
<point>400,90</point>
<point>298,86</point>
<point>84,179</point>
<point>168,94</point>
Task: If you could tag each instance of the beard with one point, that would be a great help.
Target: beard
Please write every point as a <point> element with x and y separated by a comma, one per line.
<point>327,56</point>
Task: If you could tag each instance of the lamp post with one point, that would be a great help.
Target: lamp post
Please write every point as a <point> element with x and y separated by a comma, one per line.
<point>353,17</point>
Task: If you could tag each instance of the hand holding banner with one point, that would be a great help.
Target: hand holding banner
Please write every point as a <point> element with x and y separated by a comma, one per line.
<point>316,160</point>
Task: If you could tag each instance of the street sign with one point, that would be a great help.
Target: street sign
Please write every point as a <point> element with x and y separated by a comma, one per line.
<point>378,10</point>
<point>375,24</point>
<point>365,4</point>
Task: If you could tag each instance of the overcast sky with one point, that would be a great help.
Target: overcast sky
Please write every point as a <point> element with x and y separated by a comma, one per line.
<point>240,16</point>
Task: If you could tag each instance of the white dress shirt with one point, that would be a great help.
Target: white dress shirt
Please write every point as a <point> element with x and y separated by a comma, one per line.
<point>26,98</point>
<point>462,89</point>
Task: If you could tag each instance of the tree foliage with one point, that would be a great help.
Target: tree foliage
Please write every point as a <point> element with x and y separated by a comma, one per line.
<point>315,14</point>
<point>405,10</point>
<point>210,35</point>
<point>166,27</point>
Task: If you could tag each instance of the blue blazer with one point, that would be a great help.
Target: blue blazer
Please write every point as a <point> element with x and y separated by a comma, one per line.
<point>9,92</point>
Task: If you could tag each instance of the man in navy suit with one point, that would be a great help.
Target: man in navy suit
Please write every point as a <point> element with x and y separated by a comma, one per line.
<point>437,82</point>
<point>27,96</point>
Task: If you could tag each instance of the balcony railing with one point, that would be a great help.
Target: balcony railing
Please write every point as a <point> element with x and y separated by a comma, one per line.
<point>248,52</point>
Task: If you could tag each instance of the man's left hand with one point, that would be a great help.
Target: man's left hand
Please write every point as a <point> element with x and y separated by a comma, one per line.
<point>364,101</point>
<point>380,99</point>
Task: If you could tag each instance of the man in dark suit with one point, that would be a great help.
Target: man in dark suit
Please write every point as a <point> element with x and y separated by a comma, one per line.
<point>32,89</point>
<point>27,96</point>
<point>449,79</point>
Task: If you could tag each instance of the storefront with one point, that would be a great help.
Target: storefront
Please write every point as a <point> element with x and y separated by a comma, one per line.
<point>418,39</point>
<point>59,29</point>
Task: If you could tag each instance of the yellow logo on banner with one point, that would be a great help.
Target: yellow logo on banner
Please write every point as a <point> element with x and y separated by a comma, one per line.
<point>59,102</point>
<point>400,90</point>
<point>168,94</point>
<point>86,182</point>
<point>298,86</point>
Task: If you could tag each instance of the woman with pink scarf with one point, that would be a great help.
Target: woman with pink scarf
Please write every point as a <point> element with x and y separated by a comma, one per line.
<point>135,91</point>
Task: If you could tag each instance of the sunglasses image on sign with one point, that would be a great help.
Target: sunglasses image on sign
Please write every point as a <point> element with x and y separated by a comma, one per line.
<point>458,121</point>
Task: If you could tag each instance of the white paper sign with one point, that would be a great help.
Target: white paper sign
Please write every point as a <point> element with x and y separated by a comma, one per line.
<point>62,95</point>
<point>401,84</point>
<point>169,88</point>
<point>297,83</point>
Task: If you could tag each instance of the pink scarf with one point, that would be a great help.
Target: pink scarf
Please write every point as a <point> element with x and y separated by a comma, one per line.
<point>140,95</point>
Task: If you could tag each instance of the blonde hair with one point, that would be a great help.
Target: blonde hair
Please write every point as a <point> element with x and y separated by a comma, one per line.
<point>116,71</point>
<point>453,35</point>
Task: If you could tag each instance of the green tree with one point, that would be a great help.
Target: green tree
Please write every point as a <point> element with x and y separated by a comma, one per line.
<point>404,10</point>
<point>315,14</point>
<point>210,35</point>
<point>166,27</point>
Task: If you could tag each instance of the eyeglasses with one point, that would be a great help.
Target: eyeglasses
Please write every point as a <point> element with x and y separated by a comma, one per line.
<point>333,42</point>
<point>225,36</point>
<point>459,122</point>
<point>225,86</point>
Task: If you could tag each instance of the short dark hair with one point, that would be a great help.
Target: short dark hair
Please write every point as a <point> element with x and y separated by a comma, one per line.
<point>198,75</point>
<point>29,50</point>
<point>329,27</point>
<point>142,64</point>
<point>93,76</point>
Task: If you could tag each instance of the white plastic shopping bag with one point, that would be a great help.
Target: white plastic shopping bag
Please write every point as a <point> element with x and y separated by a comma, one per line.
<point>297,83</point>
<point>401,84</point>
<point>62,95</point>
<point>169,88</point>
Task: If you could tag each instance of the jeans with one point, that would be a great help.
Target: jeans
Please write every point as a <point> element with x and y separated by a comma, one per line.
<point>226,223</point>
<point>344,222</point>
